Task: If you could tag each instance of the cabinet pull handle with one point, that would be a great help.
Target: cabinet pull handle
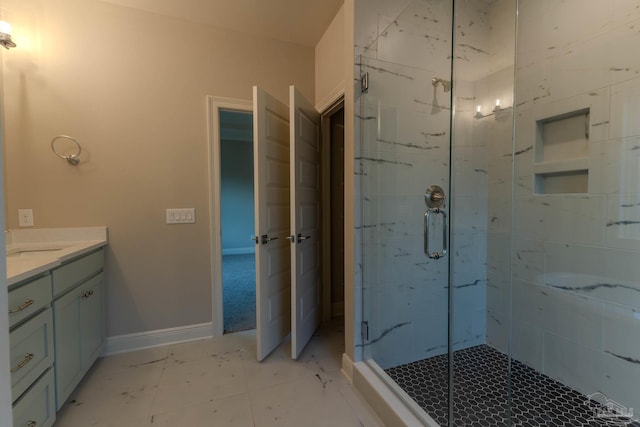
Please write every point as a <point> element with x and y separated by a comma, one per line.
<point>24,305</point>
<point>27,358</point>
<point>87,294</point>
<point>32,424</point>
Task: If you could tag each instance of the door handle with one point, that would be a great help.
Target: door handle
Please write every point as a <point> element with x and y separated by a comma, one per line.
<point>427,215</point>
<point>301,237</point>
<point>266,239</point>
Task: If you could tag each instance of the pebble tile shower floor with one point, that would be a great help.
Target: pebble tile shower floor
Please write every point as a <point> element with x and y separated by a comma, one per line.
<point>480,394</point>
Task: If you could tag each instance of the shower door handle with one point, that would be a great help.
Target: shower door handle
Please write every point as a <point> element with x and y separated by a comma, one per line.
<point>427,216</point>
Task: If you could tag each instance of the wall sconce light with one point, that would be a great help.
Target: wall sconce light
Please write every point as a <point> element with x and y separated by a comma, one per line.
<point>5,35</point>
<point>498,110</point>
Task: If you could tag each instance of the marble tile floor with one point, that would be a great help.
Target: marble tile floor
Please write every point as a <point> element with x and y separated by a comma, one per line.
<point>218,382</point>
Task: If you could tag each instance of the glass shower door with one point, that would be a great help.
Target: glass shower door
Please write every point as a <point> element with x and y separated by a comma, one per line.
<point>405,121</point>
<point>398,164</point>
<point>427,318</point>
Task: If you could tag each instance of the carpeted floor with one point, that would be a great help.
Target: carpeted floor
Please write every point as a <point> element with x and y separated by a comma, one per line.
<point>239,292</point>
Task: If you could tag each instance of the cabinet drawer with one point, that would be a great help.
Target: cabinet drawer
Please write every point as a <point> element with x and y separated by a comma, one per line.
<point>31,351</point>
<point>71,274</point>
<point>28,299</point>
<point>35,408</point>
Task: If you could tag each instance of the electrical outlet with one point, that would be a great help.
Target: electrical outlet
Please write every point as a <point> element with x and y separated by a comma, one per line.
<point>181,216</point>
<point>25,217</point>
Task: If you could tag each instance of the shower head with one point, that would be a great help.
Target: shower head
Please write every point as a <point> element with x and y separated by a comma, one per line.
<point>446,84</point>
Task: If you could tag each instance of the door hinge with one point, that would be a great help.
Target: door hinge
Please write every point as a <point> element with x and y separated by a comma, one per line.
<point>364,332</point>
<point>364,83</point>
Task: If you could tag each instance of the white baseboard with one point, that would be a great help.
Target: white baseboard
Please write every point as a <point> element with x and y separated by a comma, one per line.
<point>140,340</point>
<point>347,366</point>
<point>239,251</point>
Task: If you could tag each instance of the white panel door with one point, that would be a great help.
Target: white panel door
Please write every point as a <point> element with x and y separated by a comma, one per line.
<point>273,262</point>
<point>305,220</point>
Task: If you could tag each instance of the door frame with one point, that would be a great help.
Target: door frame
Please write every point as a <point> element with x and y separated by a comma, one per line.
<point>336,104</point>
<point>214,105</point>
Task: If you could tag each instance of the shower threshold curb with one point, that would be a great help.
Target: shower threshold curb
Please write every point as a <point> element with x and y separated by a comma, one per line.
<point>391,403</point>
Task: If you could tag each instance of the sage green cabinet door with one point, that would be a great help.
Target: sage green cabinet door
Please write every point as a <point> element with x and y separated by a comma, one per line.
<point>67,331</point>
<point>36,407</point>
<point>92,320</point>
<point>31,351</point>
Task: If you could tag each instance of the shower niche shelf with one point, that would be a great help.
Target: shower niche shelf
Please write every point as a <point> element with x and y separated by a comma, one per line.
<point>561,162</point>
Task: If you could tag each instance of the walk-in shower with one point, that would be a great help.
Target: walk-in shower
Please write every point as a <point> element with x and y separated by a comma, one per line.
<point>526,116</point>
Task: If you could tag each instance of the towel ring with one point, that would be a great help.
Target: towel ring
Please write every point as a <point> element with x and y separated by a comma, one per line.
<point>73,159</point>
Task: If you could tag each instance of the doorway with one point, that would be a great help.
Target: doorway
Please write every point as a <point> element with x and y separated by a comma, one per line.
<point>333,210</point>
<point>230,128</point>
<point>231,177</point>
<point>237,219</point>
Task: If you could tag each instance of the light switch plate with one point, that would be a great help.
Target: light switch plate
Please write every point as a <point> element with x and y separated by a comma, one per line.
<point>181,216</point>
<point>25,217</point>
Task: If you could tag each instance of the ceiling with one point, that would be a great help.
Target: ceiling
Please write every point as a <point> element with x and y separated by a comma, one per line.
<point>296,21</point>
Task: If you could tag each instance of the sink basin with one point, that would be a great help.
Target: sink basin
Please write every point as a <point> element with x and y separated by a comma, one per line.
<point>33,252</point>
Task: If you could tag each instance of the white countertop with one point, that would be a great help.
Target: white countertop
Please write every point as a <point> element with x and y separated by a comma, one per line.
<point>34,251</point>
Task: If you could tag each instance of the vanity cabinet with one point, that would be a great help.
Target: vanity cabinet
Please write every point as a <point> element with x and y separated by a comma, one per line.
<point>79,326</point>
<point>28,298</point>
<point>32,352</point>
<point>37,408</point>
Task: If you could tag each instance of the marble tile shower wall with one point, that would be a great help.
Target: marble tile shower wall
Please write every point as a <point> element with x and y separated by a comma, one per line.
<point>576,257</point>
<point>404,125</point>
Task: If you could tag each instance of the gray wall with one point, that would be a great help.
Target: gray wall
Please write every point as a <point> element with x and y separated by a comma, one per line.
<point>236,191</point>
<point>96,71</point>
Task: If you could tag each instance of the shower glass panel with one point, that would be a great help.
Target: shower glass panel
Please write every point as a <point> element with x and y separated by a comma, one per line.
<point>576,212</point>
<point>426,317</point>
<point>405,118</point>
<point>533,315</point>
<point>483,64</point>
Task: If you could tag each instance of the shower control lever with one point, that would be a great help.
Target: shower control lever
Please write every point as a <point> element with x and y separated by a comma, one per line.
<point>437,197</point>
<point>434,197</point>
